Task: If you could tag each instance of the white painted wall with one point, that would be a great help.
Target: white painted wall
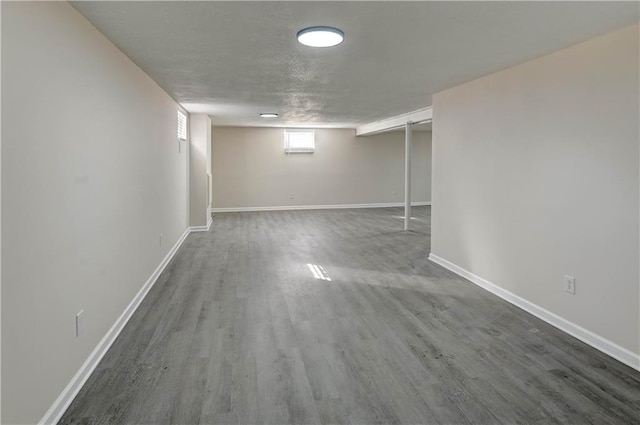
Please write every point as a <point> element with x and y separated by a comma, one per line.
<point>250,168</point>
<point>536,177</point>
<point>91,175</point>
<point>199,166</point>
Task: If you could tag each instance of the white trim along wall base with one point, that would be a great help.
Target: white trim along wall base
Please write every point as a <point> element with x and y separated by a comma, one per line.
<point>617,352</point>
<point>317,207</point>
<point>57,409</point>
<point>202,228</point>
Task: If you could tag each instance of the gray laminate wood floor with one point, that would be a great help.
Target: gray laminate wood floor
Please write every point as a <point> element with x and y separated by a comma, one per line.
<point>240,329</point>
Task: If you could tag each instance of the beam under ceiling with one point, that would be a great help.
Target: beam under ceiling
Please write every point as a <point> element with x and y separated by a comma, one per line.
<point>421,115</point>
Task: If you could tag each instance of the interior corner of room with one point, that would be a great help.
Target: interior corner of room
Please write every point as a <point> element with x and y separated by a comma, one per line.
<point>206,220</point>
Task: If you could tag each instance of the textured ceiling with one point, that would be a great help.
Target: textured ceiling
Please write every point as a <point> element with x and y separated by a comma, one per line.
<point>234,60</point>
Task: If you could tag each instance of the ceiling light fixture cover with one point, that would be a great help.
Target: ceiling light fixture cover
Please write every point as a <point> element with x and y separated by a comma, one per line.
<point>268,115</point>
<point>320,36</point>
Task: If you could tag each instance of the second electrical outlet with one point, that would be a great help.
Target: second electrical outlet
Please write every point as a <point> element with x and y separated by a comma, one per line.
<point>570,284</point>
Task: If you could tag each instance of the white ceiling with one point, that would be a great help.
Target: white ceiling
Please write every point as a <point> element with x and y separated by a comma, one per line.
<point>233,60</point>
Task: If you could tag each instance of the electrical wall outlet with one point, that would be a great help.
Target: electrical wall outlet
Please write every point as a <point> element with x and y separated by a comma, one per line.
<point>79,323</point>
<point>570,284</point>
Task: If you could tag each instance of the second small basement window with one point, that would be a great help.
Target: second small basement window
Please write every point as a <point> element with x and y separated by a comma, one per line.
<point>299,141</point>
<point>182,126</point>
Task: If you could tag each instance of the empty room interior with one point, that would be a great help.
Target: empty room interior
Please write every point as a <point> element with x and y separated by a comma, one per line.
<point>320,212</point>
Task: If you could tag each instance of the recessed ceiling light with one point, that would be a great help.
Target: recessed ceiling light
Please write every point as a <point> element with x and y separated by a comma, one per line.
<point>320,36</point>
<point>268,115</point>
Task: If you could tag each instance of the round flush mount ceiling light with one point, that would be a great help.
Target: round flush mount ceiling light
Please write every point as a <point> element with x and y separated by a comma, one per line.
<point>320,36</point>
<point>268,115</point>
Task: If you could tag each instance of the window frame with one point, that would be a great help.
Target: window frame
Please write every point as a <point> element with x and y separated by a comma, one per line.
<point>289,149</point>
<point>186,126</point>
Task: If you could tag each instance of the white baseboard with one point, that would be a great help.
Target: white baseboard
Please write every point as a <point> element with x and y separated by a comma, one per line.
<point>317,207</point>
<point>65,398</point>
<point>202,228</point>
<point>602,344</point>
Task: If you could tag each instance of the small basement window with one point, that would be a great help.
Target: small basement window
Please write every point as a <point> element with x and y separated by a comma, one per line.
<point>182,125</point>
<point>299,141</point>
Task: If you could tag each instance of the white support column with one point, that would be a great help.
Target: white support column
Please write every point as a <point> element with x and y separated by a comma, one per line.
<point>199,160</point>
<point>408,141</point>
